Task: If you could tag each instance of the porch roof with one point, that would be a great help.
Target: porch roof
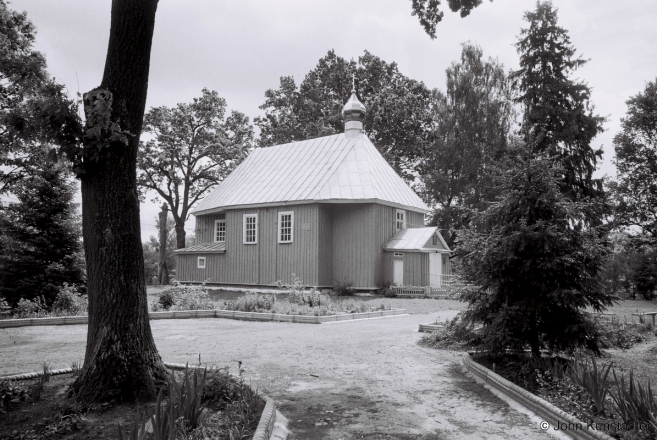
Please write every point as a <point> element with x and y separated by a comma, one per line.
<point>415,239</point>
<point>218,247</point>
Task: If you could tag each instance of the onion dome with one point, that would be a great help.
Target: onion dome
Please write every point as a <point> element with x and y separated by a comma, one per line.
<point>353,114</point>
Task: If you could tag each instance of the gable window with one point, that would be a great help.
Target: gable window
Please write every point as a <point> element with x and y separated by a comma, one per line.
<point>201,263</point>
<point>250,223</point>
<point>400,219</point>
<point>220,230</point>
<point>434,239</point>
<point>285,226</point>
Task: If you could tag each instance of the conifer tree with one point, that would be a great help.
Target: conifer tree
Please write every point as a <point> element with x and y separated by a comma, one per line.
<point>536,264</point>
<point>558,111</point>
<point>41,239</point>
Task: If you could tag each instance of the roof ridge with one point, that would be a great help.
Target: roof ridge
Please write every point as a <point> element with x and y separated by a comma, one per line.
<point>335,166</point>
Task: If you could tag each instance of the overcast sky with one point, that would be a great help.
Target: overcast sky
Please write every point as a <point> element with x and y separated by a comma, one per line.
<point>242,48</point>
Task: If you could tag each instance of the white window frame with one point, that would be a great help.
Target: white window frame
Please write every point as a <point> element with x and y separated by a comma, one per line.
<point>280,226</point>
<point>403,219</point>
<point>216,230</point>
<point>198,262</point>
<point>244,235</point>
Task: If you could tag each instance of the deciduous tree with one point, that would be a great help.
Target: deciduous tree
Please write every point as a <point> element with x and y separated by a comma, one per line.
<point>398,117</point>
<point>429,14</point>
<point>35,113</point>
<point>121,360</point>
<point>473,121</point>
<point>194,148</point>
<point>635,189</point>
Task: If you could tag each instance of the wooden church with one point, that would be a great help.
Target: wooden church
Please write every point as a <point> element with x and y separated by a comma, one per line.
<point>330,210</point>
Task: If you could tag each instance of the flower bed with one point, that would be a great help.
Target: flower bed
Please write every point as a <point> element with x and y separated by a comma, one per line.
<point>212,404</point>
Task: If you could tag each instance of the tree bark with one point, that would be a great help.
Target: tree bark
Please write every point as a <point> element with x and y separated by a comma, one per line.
<point>180,235</point>
<point>162,270</point>
<point>121,360</point>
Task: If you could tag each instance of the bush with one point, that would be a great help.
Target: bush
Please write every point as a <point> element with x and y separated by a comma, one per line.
<point>69,301</point>
<point>166,299</point>
<point>456,334</point>
<point>30,309</point>
<point>184,297</point>
<point>344,289</point>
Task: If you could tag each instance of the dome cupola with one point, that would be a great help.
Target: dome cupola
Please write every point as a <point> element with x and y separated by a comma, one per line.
<point>353,114</point>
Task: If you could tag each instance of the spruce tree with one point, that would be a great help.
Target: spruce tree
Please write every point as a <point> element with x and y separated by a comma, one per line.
<point>536,264</point>
<point>41,239</point>
<point>558,111</point>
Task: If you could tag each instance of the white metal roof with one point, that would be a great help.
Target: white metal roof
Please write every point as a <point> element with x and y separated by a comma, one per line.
<point>218,247</point>
<point>326,169</point>
<point>415,239</point>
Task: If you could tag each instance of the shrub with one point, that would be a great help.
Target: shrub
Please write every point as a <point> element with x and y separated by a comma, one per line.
<point>344,289</point>
<point>30,309</point>
<point>623,335</point>
<point>69,301</point>
<point>456,334</point>
<point>385,289</point>
<point>184,297</point>
<point>166,299</point>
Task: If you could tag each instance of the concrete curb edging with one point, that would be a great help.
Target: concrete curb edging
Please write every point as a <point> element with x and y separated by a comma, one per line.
<point>428,328</point>
<point>214,313</point>
<point>269,417</point>
<point>533,403</point>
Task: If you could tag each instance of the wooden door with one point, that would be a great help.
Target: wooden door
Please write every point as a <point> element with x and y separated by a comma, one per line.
<point>435,270</point>
<point>398,271</point>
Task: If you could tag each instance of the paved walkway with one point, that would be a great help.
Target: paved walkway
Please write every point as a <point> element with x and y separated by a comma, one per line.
<point>352,380</point>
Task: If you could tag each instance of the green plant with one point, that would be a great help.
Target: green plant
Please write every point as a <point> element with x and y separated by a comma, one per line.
<point>634,403</point>
<point>37,388</point>
<point>30,308</point>
<point>166,299</point>
<point>344,289</point>
<point>595,382</point>
<point>76,366</point>
<point>69,301</point>
<point>184,297</point>
<point>12,393</point>
<point>138,431</point>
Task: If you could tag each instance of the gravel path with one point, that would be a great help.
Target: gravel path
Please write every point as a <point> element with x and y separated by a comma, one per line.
<point>351,380</point>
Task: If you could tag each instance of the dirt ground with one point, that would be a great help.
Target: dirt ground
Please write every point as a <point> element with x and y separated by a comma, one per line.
<point>349,380</point>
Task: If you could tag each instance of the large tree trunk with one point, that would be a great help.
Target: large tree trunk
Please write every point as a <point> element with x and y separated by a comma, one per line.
<point>180,235</point>
<point>121,360</point>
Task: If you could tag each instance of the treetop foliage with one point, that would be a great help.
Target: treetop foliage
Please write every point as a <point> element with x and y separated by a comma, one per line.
<point>635,189</point>
<point>472,123</point>
<point>558,112</point>
<point>194,147</point>
<point>429,14</point>
<point>36,116</point>
<point>398,117</point>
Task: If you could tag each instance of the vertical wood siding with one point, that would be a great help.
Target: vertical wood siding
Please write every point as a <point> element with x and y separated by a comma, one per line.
<point>332,243</point>
<point>414,219</point>
<point>416,269</point>
<point>265,262</point>
<point>215,268</point>
<point>299,257</point>
<point>267,228</point>
<point>325,246</point>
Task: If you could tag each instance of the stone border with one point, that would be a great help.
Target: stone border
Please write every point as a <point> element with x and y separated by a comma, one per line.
<point>533,403</point>
<point>428,328</point>
<point>267,418</point>
<point>214,313</point>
